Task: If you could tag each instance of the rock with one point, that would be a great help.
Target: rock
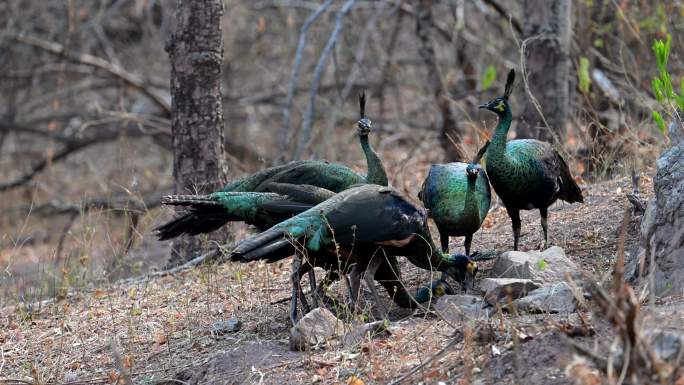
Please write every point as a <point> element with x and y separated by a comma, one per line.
<point>557,298</point>
<point>316,327</point>
<point>320,326</point>
<point>360,333</point>
<point>220,328</point>
<point>667,343</point>
<point>549,266</point>
<point>498,290</point>
<point>457,308</point>
<point>662,228</point>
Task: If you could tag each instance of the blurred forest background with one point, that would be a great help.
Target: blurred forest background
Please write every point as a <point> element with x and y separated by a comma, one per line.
<point>85,137</point>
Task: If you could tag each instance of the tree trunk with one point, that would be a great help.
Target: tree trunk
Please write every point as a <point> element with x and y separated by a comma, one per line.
<point>196,52</point>
<point>547,25</point>
<point>450,134</point>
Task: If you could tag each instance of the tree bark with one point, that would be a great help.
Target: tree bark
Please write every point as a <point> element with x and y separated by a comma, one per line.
<point>450,134</point>
<point>196,53</point>
<point>548,26</point>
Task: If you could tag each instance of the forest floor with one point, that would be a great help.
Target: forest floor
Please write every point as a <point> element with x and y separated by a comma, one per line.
<point>159,330</point>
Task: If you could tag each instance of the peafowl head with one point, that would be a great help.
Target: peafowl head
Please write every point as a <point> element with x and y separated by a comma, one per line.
<point>364,124</point>
<point>438,288</point>
<point>473,170</point>
<point>462,270</point>
<point>500,105</point>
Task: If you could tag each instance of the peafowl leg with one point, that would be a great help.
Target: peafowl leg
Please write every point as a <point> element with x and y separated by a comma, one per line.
<point>312,283</point>
<point>369,278</point>
<point>544,216</point>
<point>354,285</point>
<point>468,241</point>
<point>296,287</point>
<point>515,218</point>
<point>444,241</point>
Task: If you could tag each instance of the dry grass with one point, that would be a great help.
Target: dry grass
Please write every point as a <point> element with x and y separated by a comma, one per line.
<point>162,326</point>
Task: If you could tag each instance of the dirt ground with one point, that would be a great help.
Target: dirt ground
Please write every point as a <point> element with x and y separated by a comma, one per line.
<point>160,328</point>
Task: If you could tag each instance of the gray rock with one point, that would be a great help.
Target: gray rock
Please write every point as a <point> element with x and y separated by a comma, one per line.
<point>315,328</point>
<point>667,343</point>
<point>320,326</point>
<point>498,290</point>
<point>220,328</point>
<point>662,228</point>
<point>549,266</point>
<point>457,308</point>
<point>557,298</point>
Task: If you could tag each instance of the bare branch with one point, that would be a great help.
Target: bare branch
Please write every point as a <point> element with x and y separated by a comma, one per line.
<point>294,77</point>
<point>305,135</point>
<point>119,72</point>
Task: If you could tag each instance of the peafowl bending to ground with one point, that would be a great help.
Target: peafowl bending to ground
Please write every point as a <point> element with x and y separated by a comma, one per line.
<point>526,173</point>
<point>457,196</point>
<point>344,231</point>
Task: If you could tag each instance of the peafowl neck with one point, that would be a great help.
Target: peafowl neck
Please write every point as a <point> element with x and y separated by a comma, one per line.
<point>376,171</point>
<point>471,208</point>
<point>423,253</point>
<point>498,142</point>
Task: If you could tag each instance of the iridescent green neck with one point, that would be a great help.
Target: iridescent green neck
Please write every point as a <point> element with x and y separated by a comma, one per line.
<point>470,206</point>
<point>376,171</point>
<point>499,139</point>
<point>423,253</point>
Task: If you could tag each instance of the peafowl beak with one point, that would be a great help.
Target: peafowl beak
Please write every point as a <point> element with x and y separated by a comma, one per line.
<point>471,272</point>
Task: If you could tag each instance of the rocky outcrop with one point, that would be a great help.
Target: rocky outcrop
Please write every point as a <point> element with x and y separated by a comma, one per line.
<point>662,228</point>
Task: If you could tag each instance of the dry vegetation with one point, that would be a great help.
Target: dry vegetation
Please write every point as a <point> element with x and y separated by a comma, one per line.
<point>85,157</point>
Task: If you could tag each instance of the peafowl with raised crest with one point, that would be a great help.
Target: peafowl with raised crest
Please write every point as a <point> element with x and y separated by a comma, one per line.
<point>457,196</point>
<point>526,174</point>
<point>344,232</point>
<point>321,181</point>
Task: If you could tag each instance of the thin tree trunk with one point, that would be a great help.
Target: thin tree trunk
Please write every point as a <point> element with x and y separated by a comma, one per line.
<point>548,28</point>
<point>450,134</point>
<point>196,52</point>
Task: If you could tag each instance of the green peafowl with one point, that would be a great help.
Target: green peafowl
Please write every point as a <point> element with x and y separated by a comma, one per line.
<point>457,196</point>
<point>343,232</point>
<point>525,173</point>
<point>321,178</point>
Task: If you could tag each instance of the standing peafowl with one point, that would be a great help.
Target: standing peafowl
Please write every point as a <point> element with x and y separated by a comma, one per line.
<point>457,196</point>
<point>344,231</point>
<point>321,178</point>
<point>526,173</point>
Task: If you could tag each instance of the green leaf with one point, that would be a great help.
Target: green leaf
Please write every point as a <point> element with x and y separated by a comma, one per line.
<point>583,74</point>
<point>542,264</point>
<point>488,77</point>
<point>659,121</point>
